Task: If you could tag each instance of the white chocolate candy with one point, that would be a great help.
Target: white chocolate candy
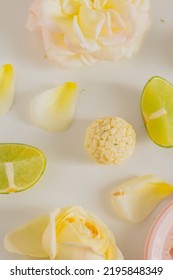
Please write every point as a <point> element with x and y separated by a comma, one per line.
<point>110,140</point>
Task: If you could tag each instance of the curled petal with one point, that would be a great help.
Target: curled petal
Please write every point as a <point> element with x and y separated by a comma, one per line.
<point>93,26</point>
<point>34,12</point>
<point>64,57</point>
<point>6,88</point>
<point>135,199</point>
<point>113,252</point>
<point>87,44</point>
<point>49,236</point>
<point>74,251</point>
<point>53,109</point>
<point>26,240</point>
<point>49,12</point>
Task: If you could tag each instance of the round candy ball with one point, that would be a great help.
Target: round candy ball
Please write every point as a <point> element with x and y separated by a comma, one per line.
<point>110,140</point>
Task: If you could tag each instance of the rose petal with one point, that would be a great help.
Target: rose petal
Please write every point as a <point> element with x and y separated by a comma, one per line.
<point>72,251</point>
<point>49,236</point>
<point>100,4</point>
<point>135,199</point>
<point>50,239</point>
<point>50,10</point>
<point>26,240</point>
<point>113,252</point>
<point>109,53</point>
<point>34,12</point>
<point>53,109</point>
<point>70,7</point>
<point>89,45</point>
<point>87,59</point>
<point>54,44</point>
<point>6,88</point>
<point>91,22</point>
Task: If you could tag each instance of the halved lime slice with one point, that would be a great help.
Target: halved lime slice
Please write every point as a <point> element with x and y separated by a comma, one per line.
<point>157,111</point>
<point>21,166</point>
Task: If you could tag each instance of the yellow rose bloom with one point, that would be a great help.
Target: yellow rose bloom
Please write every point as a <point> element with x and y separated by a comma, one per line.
<point>81,32</point>
<point>67,234</point>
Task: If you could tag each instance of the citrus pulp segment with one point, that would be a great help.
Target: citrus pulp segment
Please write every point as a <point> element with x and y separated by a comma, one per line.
<point>157,111</point>
<point>21,166</point>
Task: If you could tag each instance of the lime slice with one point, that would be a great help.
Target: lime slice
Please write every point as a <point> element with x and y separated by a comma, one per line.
<point>21,166</point>
<point>157,111</point>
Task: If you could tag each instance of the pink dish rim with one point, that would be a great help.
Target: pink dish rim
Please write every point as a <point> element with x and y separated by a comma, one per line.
<point>153,227</point>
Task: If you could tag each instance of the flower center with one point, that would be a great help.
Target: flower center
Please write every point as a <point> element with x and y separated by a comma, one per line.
<point>85,226</point>
<point>92,228</point>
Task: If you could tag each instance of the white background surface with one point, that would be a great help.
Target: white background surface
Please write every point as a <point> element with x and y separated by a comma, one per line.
<point>109,88</point>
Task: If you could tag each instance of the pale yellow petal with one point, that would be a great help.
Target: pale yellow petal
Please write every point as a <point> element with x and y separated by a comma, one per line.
<point>6,88</point>
<point>68,213</point>
<point>49,235</point>
<point>72,251</point>
<point>54,109</point>
<point>113,252</point>
<point>82,227</point>
<point>26,240</point>
<point>135,199</point>
<point>60,229</point>
<point>49,11</point>
<point>67,233</point>
<point>91,22</point>
<point>32,21</point>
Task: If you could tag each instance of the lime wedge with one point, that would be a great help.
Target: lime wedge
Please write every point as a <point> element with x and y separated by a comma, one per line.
<point>21,166</point>
<point>157,111</point>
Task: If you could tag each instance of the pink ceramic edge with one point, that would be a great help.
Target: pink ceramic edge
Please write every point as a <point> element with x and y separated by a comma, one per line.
<point>153,227</point>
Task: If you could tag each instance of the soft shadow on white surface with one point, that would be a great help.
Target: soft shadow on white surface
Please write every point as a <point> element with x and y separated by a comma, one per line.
<point>157,50</point>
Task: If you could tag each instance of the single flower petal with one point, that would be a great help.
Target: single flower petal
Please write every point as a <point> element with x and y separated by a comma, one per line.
<point>48,238</point>
<point>54,44</point>
<point>70,7</point>
<point>50,11</point>
<point>53,109</point>
<point>26,240</point>
<point>53,234</point>
<point>72,251</point>
<point>135,199</point>
<point>34,12</point>
<point>91,22</point>
<point>6,88</point>
<point>99,4</point>
<point>88,44</point>
<point>64,57</point>
<point>113,252</point>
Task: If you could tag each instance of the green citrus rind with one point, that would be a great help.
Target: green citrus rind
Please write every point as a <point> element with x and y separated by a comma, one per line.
<point>161,138</point>
<point>21,165</point>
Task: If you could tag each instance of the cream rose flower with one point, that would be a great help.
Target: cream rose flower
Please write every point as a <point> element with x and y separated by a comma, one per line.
<point>69,233</point>
<point>79,32</point>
